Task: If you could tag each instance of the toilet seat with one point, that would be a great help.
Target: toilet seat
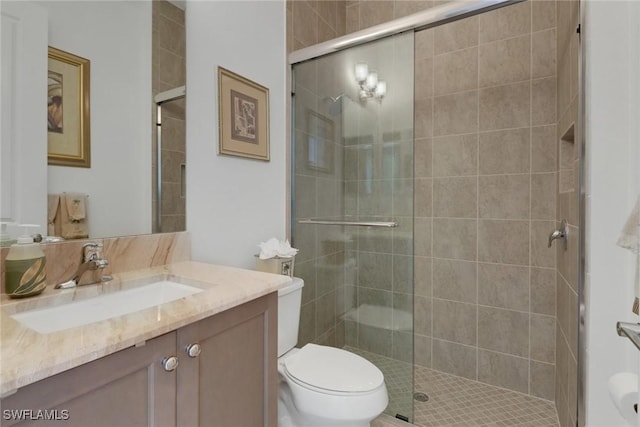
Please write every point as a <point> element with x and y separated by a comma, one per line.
<point>332,371</point>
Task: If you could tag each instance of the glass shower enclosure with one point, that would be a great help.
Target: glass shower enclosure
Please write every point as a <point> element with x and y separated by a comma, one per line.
<point>352,205</point>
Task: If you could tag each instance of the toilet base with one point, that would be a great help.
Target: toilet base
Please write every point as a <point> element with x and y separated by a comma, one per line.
<point>288,416</point>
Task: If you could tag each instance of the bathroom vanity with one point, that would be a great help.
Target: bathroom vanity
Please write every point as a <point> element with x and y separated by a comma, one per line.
<point>123,370</point>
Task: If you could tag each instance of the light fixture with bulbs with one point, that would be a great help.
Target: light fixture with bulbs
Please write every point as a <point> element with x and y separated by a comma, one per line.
<point>370,86</point>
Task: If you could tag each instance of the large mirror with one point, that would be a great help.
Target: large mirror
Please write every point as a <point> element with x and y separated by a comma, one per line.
<point>136,51</point>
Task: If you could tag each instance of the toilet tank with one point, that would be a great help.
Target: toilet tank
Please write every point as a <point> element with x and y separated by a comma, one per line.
<point>289,300</point>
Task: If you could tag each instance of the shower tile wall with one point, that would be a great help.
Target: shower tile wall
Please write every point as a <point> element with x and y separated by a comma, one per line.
<point>568,207</point>
<point>169,70</point>
<point>485,95</point>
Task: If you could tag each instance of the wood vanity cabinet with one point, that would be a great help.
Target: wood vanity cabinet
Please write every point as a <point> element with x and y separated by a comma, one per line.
<point>230,382</point>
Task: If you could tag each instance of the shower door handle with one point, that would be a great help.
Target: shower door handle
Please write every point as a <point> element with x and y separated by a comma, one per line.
<point>390,224</point>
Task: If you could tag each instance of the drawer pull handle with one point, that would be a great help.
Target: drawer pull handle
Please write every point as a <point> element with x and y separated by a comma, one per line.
<point>170,363</point>
<point>193,350</point>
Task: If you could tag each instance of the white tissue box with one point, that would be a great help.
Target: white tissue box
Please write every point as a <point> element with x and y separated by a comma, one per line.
<point>276,265</point>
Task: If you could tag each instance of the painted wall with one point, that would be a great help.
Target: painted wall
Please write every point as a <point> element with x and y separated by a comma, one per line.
<point>234,203</point>
<point>118,182</point>
<point>611,43</point>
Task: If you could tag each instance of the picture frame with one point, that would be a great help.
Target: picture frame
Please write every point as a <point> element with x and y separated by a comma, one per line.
<point>243,114</point>
<point>68,109</point>
<point>320,145</point>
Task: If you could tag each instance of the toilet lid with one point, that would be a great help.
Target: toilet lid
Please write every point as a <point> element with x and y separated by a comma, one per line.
<point>333,369</point>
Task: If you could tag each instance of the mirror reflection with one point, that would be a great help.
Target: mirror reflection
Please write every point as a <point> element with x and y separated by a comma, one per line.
<point>136,52</point>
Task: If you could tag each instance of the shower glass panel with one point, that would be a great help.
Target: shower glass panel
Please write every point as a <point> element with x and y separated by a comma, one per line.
<point>352,206</point>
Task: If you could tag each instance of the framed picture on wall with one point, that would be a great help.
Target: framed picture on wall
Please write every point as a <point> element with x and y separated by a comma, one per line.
<point>68,118</point>
<point>243,113</point>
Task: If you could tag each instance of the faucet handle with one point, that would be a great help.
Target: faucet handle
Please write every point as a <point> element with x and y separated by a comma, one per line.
<point>91,251</point>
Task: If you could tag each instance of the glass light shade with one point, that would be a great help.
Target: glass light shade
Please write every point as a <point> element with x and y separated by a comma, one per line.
<point>362,70</point>
<point>381,89</point>
<point>372,80</point>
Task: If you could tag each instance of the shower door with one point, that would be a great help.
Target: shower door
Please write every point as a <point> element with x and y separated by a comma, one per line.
<point>352,206</point>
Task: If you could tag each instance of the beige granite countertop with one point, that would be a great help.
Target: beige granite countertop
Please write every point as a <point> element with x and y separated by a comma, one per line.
<point>27,356</point>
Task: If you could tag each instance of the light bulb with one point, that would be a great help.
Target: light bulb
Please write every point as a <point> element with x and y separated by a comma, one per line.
<point>372,80</point>
<point>362,70</point>
<point>381,89</point>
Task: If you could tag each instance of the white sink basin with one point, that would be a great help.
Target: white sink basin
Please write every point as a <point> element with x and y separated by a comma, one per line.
<point>103,307</point>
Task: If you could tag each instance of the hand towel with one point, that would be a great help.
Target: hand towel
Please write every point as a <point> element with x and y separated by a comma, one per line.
<point>76,204</point>
<point>73,216</point>
<point>630,239</point>
<point>53,204</point>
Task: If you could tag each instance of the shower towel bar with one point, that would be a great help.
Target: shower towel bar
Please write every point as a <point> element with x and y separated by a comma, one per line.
<point>350,223</point>
<point>631,331</point>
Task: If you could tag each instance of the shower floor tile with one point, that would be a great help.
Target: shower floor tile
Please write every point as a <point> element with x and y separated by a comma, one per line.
<point>455,401</point>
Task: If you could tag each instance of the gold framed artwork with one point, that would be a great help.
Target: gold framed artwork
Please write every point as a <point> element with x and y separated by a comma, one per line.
<point>68,117</point>
<point>320,142</point>
<point>243,107</point>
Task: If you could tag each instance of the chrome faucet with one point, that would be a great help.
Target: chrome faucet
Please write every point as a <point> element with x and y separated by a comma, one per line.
<point>91,260</point>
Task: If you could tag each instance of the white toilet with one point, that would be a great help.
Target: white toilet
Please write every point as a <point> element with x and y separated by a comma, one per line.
<point>322,386</point>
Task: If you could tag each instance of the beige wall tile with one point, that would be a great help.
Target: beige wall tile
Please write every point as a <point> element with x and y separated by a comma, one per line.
<point>455,280</point>
<point>325,313</point>
<point>542,378</point>
<point>454,358</point>
<point>375,340</point>
<point>352,21</point>
<point>544,149</point>
<point>402,274</point>
<point>422,267</point>
<point>325,31</point>
<point>455,197</point>
<point>543,14</point>
<point>504,151</point>
<point>305,23</point>
<point>543,196</point>
<point>307,328</point>
<point>503,241</point>
<point>506,22</point>
<point>424,77</point>
<point>423,44</point>
<point>422,316</point>
<point>543,329</point>
<point>505,331</point>
<point>171,36</point>
<point>375,270</point>
<point>456,35</point>
<point>373,12</point>
<point>423,122</point>
<point>543,54</point>
<point>423,156</point>
<point>455,238</point>
<point>456,71</point>
<point>504,107</point>
<point>503,370</point>
<point>408,7</point>
<point>503,196</point>
<point>423,197</point>
<point>543,101</point>
<point>327,11</point>
<point>422,238</point>
<point>455,155</point>
<point>543,291</point>
<point>455,114</point>
<point>541,254</point>
<point>451,320</point>
<point>422,350</point>
<point>505,61</point>
<point>503,286</point>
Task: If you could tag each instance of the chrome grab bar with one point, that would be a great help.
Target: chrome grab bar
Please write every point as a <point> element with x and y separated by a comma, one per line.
<point>631,331</point>
<point>386,224</point>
